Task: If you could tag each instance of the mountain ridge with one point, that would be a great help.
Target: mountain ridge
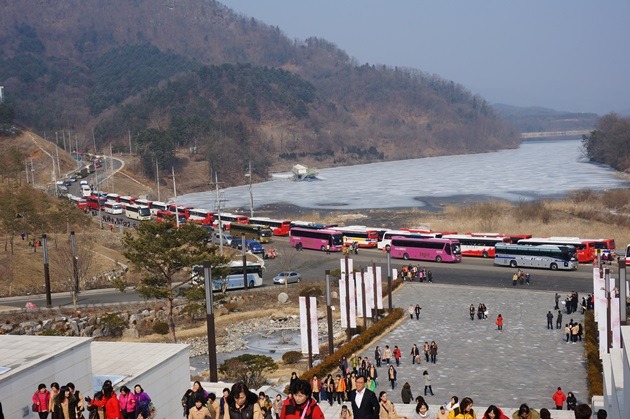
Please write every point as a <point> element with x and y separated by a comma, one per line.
<point>65,56</point>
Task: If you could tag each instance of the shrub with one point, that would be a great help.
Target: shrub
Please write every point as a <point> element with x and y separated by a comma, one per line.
<point>160,328</point>
<point>231,307</point>
<point>250,369</point>
<point>113,323</point>
<point>292,357</point>
<point>51,332</point>
<point>594,368</point>
<point>311,291</point>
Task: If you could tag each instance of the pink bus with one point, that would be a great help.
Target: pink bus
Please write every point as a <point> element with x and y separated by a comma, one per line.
<point>307,238</point>
<point>438,250</point>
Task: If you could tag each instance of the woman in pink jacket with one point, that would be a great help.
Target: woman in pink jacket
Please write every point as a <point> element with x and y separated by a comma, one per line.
<point>127,403</point>
<point>41,398</point>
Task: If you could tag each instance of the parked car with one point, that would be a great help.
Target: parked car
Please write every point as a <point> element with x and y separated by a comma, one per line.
<point>67,182</point>
<point>287,277</point>
<point>227,239</point>
<point>251,245</point>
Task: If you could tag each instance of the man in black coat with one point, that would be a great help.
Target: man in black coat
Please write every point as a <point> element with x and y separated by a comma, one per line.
<point>364,402</point>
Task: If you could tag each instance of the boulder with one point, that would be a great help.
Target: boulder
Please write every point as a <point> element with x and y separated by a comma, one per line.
<point>130,333</point>
<point>97,333</point>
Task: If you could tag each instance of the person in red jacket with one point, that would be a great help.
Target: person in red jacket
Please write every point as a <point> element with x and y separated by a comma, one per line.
<point>559,398</point>
<point>494,412</point>
<point>397,355</point>
<point>301,405</point>
<point>41,398</point>
<point>110,401</point>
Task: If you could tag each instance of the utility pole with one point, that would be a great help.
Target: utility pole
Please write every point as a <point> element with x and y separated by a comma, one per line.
<point>251,191</point>
<point>212,345</point>
<point>46,271</point>
<point>157,178</point>
<point>111,165</point>
<point>175,199</point>
<point>216,182</point>
<point>129,136</point>
<point>348,331</point>
<point>32,173</point>
<point>98,197</point>
<point>75,270</point>
<point>329,315</point>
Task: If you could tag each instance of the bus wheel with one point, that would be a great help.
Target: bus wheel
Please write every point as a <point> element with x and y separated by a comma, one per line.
<point>298,247</point>
<point>512,264</point>
<point>554,267</point>
<point>251,284</point>
<point>406,256</point>
<point>484,254</point>
<point>438,259</point>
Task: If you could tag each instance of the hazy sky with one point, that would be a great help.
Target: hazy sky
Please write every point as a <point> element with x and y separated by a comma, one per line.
<point>565,55</point>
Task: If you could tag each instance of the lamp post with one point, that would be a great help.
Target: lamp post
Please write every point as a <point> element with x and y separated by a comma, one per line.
<point>75,269</point>
<point>46,271</point>
<point>212,352</point>
<point>623,286</point>
<point>329,315</point>
<point>389,280</point>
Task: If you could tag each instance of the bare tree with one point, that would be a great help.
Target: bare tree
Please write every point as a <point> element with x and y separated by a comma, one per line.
<point>63,264</point>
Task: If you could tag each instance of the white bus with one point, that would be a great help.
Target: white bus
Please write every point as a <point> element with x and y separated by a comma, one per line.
<point>157,206</point>
<point>113,208</point>
<point>234,279</point>
<point>477,244</point>
<point>361,235</point>
<point>628,252</point>
<point>546,256</point>
<point>112,197</point>
<point>386,241</point>
<point>143,202</point>
<point>137,212</point>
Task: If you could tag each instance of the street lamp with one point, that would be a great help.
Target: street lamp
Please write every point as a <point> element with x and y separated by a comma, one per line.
<point>212,345</point>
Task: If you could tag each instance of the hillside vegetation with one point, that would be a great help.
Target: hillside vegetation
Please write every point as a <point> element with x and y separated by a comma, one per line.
<point>609,143</point>
<point>193,73</point>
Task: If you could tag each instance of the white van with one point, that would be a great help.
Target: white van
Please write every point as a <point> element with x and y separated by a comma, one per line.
<point>86,190</point>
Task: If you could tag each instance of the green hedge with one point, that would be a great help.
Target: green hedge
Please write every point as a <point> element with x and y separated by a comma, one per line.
<point>594,371</point>
<point>331,362</point>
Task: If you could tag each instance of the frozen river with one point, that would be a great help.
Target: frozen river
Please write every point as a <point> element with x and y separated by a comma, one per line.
<point>537,169</point>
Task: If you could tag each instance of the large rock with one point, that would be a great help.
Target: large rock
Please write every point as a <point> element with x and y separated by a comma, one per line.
<point>97,333</point>
<point>130,333</point>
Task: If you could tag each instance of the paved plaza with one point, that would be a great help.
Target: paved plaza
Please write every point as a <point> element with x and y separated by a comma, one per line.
<point>524,363</point>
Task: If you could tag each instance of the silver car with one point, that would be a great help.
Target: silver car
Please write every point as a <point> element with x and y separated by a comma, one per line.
<point>287,277</point>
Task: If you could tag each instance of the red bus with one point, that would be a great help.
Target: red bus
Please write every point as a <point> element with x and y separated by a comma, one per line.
<point>427,232</point>
<point>478,245</point>
<point>158,206</point>
<point>143,202</point>
<point>585,249</point>
<point>179,209</point>
<point>94,202</point>
<point>200,216</point>
<point>227,218</point>
<point>438,250</point>
<point>162,216</point>
<point>316,239</point>
<point>278,227</point>
<point>126,200</point>
<point>606,246</point>
<point>361,235</point>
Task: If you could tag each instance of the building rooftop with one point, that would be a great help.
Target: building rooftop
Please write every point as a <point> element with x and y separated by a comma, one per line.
<point>17,353</point>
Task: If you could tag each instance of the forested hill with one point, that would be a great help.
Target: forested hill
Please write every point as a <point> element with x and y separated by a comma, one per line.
<point>193,72</point>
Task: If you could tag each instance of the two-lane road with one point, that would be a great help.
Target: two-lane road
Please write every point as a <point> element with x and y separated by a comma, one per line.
<point>313,264</point>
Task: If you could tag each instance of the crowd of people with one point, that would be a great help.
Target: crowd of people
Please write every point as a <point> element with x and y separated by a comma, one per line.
<point>66,402</point>
<point>415,273</point>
